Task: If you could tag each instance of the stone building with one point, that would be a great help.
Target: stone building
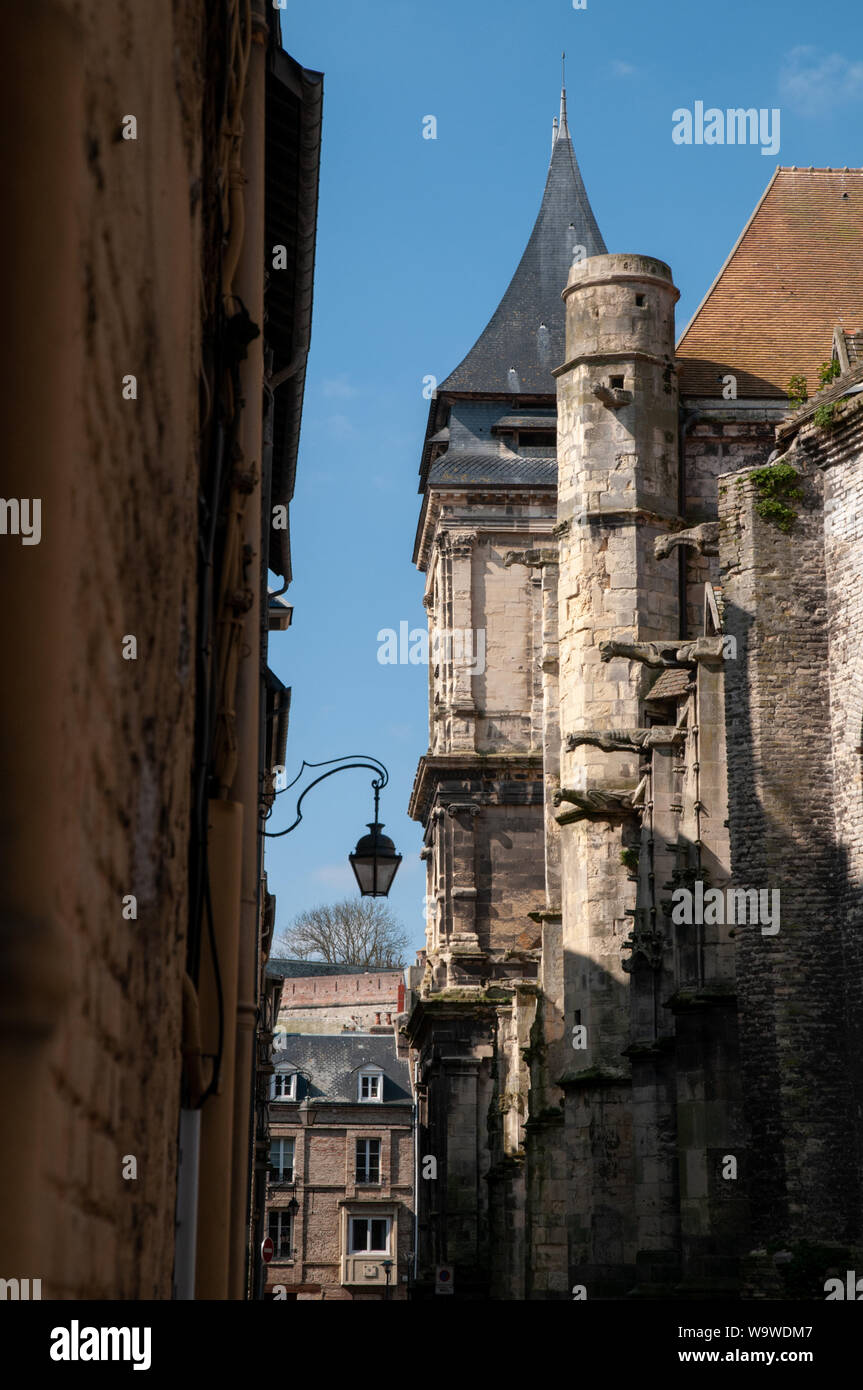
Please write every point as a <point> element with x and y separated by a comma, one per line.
<point>634,1036</point>
<point>341,1179</point>
<point>153,369</point>
<point>316,997</point>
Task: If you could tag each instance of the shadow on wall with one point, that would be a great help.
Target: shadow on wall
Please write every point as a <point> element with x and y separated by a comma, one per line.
<point>800,1028</point>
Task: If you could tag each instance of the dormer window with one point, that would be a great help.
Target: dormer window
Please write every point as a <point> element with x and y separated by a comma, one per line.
<point>283,1085</point>
<point>370,1085</point>
<point>542,439</point>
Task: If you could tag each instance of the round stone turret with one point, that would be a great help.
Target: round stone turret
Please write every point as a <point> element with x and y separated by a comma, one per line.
<point>620,304</point>
<point>617,389</point>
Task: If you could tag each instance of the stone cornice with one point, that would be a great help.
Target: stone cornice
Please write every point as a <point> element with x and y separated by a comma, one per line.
<point>599,358</point>
<point>455,1004</point>
<point>433,768</point>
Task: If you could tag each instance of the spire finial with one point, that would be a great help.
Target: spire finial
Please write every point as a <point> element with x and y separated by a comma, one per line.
<point>563,128</point>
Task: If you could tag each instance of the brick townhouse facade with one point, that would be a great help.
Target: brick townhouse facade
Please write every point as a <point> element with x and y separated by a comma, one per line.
<point>340,1208</point>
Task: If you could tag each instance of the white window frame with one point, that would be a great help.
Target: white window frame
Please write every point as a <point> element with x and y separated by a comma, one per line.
<point>367,1181</point>
<point>280,1142</point>
<point>370,1217</point>
<point>290,1091</point>
<point>369,1075</point>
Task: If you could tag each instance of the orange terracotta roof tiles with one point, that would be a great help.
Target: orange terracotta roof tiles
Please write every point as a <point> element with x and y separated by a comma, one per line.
<point>794,274</point>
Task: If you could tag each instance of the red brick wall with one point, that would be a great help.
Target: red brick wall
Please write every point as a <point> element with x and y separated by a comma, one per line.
<point>377,987</point>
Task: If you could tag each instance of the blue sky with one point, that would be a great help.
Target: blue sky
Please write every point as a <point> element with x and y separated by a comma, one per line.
<point>417,241</point>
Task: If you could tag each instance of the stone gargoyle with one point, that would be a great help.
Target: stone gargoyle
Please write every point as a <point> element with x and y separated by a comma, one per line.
<point>663,654</point>
<point>614,397</point>
<point>704,539</point>
<point>596,802</point>
<point>626,740</point>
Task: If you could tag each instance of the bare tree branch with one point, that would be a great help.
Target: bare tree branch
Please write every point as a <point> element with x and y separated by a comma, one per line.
<point>353,932</point>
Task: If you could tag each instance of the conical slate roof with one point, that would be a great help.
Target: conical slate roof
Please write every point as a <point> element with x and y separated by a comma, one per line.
<point>524,340</point>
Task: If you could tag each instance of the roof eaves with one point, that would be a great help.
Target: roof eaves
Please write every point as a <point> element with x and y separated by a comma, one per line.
<point>293,338</point>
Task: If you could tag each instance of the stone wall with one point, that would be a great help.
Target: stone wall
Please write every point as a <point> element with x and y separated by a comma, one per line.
<point>718,437</point>
<point>794,608</point>
<point>119,219</point>
<point>330,1003</point>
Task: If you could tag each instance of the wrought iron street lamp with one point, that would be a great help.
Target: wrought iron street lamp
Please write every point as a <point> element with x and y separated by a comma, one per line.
<point>374,861</point>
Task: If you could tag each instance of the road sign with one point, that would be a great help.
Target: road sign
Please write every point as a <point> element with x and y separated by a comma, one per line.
<point>444,1279</point>
<point>268,1250</point>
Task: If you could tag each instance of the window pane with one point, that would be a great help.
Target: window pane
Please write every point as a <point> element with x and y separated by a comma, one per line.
<point>284,1244</point>
<point>378,1234</point>
<point>359,1234</point>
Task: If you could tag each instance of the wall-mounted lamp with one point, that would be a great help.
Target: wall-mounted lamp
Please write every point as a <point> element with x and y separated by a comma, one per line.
<point>374,861</point>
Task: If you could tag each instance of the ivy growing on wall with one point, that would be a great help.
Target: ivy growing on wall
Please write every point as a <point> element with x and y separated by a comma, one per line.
<point>777,488</point>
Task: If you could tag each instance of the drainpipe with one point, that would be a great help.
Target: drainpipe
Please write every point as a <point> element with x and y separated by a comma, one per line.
<point>249,286</point>
<point>217,991</point>
<point>188,1147</point>
<point>189,1150</point>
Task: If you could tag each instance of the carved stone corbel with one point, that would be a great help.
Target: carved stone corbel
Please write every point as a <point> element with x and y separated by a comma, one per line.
<point>646,943</point>
<point>461,542</point>
<point>533,559</point>
<point>704,539</point>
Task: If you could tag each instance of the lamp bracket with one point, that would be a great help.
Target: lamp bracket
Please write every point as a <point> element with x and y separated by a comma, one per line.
<point>364,760</point>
